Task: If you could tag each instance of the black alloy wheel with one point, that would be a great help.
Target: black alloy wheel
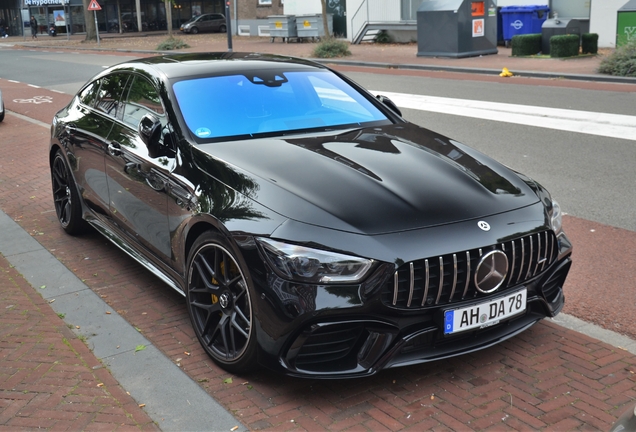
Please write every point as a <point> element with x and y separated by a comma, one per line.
<point>194,30</point>
<point>220,305</point>
<point>222,29</point>
<point>65,196</point>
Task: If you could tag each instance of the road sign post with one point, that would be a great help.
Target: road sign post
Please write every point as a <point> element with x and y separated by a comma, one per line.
<point>94,6</point>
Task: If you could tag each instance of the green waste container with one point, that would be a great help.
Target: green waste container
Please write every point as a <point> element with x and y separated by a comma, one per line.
<point>626,23</point>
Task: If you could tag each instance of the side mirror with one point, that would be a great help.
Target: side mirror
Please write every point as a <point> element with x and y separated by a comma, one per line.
<point>389,104</point>
<point>150,130</point>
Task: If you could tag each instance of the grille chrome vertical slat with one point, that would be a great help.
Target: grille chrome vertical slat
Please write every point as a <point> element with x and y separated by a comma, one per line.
<point>530,257</point>
<point>396,286</point>
<point>468,272</point>
<point>536,266</point>
<point>441,279</point>
<point>426,280</point>
<point>523,257</point>
<point>514,259</point>
<point>546,256</point>
<point>552,244</point>
<point>454,286</point>
<point>411,284</point>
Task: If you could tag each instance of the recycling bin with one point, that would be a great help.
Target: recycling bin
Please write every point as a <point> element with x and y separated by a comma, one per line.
<point>282,26</point>
<point>312,26</point>
<point>626,23</point>
<point>558,27</point>
<point>456,28</point>
<point>519,20</point>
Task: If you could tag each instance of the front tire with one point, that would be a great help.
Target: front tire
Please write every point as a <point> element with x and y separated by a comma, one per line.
<point>194,30</point>
<point>220,305</point>
<point>222,29</point>
<point>65,197</point>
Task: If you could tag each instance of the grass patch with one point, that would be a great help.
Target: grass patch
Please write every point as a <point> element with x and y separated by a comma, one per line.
<point>172,43</point>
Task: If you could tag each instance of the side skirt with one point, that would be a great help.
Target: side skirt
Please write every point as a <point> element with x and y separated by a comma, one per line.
<point>118,241</point>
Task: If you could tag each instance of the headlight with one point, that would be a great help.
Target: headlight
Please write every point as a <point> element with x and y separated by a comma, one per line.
<point>312,265</point>
<point>556,217</point>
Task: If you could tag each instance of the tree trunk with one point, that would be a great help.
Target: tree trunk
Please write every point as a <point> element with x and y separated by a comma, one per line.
<point>168,6</point>
<point>325,23</point>
<point>89,20</point>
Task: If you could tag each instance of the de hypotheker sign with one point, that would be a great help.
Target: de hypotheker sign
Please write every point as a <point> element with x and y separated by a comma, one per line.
<point>28,3</point>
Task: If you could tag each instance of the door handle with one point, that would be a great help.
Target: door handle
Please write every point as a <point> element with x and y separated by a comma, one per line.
<point>114,148</point>
<point>131,166</point>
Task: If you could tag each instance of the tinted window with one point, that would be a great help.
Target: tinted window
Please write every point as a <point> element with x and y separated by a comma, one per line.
<point>109,98</point>
<point>142,99</point>
<point>269,102</point>
<point>88,95</point>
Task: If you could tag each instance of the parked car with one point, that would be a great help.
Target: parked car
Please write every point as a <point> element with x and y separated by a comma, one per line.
<point>310,228</point>
<point>1,107</point>
<point>205,23</point>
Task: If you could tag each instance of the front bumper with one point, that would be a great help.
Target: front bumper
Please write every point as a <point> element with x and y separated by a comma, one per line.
<point>343,335</point>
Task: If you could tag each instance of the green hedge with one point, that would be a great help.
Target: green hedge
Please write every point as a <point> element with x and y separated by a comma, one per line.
<point>526,44</point>
<point>589,43</point>
<point>564,45</point>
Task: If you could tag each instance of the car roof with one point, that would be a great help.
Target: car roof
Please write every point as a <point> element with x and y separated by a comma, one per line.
<point>179,66</point>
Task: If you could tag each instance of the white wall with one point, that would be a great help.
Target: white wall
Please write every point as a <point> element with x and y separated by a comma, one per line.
<point>302,7</point>
<point>603,20</point>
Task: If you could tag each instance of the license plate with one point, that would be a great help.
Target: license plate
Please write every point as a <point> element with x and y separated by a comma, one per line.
<point>485,314</point>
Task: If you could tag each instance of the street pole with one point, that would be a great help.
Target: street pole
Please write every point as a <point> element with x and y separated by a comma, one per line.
<point>96,27</point>
<point>228,25</point>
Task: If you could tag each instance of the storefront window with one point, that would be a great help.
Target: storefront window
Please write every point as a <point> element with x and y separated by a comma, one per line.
<point>77,18</point>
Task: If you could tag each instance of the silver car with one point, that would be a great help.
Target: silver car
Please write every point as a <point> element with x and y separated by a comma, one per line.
<point>205,23</point>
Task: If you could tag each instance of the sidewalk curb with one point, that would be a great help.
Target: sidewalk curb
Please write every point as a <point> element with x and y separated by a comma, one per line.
<point>379,65</point>
<point>526,74</point>
<point>172,399</point>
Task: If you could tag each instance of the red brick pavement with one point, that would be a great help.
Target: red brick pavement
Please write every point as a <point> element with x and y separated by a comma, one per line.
<point>546,378</point>
<point>49,379</point>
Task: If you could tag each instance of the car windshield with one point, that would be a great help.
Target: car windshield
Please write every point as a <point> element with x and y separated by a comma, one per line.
<point>270,102</point>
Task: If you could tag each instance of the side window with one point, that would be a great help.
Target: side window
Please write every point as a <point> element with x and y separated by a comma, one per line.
<point>110,96</point>
<point>142,99</point>
<point>88,95</point>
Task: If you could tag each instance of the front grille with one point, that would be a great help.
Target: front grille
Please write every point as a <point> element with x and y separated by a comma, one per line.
<point>446,279</point>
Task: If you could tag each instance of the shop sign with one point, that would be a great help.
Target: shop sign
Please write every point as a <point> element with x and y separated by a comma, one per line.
<point>28,3</point>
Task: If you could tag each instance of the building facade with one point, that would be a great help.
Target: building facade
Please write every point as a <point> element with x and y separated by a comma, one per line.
<point>122,15</point>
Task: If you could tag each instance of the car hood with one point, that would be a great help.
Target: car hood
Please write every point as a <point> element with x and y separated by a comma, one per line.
<point>368,181</point>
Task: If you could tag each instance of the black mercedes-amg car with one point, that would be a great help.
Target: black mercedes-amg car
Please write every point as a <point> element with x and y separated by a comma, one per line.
<point>311,229</point>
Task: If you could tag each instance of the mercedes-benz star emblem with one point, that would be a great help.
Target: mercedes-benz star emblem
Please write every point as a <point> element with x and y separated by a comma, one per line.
<point>485,226</point>
<point>224,300</point>
<point>491,271</point>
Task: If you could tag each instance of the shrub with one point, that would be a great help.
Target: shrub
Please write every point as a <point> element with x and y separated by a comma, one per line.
<point>172,43</point>
<point>622,62</point>
<point>383,37</point>
<point>526,44</point>
<point>564,45</point>
<point>589,43</point>
<point>329,48</point>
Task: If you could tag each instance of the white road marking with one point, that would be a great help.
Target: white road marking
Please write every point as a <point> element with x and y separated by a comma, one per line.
<point>593,123</point>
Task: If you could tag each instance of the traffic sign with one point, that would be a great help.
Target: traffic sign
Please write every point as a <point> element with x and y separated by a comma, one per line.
<point>94,6</point>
